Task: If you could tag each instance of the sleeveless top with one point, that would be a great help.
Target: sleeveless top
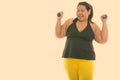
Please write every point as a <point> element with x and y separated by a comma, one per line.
<point>79,44</point>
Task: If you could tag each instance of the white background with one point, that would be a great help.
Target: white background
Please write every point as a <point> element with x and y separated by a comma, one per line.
<point>29,49</point>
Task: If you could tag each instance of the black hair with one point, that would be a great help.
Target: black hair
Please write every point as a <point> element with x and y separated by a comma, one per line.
<point>88,7</point>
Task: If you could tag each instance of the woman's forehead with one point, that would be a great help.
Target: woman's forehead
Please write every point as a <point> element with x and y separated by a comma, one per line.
<point>81,7</point>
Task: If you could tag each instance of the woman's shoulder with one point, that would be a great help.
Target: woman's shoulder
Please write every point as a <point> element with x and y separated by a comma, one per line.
<point>69,21</point>
<point>93,25</point>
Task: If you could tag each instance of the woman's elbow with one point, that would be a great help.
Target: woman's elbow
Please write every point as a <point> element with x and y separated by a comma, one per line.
<point>59,36</point>
<point>102,41</point>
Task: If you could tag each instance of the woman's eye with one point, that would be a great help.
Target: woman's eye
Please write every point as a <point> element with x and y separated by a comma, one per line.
<point>82,10</point>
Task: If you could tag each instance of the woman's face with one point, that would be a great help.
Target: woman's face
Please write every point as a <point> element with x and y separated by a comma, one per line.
<point>82,13</point>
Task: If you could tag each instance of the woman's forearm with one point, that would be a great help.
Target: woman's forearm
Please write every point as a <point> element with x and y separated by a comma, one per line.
<point>104,32</point>
<point>58,28</point>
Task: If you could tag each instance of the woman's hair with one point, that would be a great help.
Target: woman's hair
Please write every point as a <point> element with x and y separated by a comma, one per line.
<point>88,7</point>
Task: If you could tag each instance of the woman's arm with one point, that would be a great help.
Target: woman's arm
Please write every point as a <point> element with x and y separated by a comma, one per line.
<point>60,30</point>
<point>101,36</point>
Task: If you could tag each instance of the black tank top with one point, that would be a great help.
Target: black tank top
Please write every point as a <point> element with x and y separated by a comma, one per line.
<point>79,44</point>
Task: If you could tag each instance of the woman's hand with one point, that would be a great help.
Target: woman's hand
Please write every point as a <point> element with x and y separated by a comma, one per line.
<point>60,15</point>
<point>101,36</point>
<point>104,18</point>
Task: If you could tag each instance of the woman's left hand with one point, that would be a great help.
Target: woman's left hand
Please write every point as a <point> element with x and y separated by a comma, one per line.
<point>104,18</point>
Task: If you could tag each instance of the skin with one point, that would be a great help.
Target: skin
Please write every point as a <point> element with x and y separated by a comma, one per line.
<point>101,36</point>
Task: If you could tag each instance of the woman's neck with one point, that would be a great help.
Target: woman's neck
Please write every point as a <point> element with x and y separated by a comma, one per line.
<point>83,21</point>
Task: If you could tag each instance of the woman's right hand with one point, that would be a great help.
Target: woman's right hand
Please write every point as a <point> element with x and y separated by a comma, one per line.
<point>60,15</point>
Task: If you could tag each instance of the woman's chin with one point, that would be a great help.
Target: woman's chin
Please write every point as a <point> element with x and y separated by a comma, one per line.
<point>80,20</point>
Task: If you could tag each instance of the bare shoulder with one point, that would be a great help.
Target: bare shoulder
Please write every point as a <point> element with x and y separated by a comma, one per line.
<point>94,26</point>
<point>68,22</point>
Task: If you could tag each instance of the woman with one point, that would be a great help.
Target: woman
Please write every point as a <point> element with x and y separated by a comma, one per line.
<point>79,52</point>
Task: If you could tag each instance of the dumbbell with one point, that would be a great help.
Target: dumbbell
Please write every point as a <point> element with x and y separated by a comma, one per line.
<point>104,16</point>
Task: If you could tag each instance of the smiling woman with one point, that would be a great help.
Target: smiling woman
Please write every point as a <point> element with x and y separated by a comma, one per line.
<point>79,54</point>
<point>84,12</point>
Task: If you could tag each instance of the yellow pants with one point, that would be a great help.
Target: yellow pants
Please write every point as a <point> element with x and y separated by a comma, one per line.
<point>79,69</point>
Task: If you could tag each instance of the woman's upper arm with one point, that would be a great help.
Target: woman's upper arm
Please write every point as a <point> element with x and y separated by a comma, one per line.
<point>97,33</point>
<point>65,26</point>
